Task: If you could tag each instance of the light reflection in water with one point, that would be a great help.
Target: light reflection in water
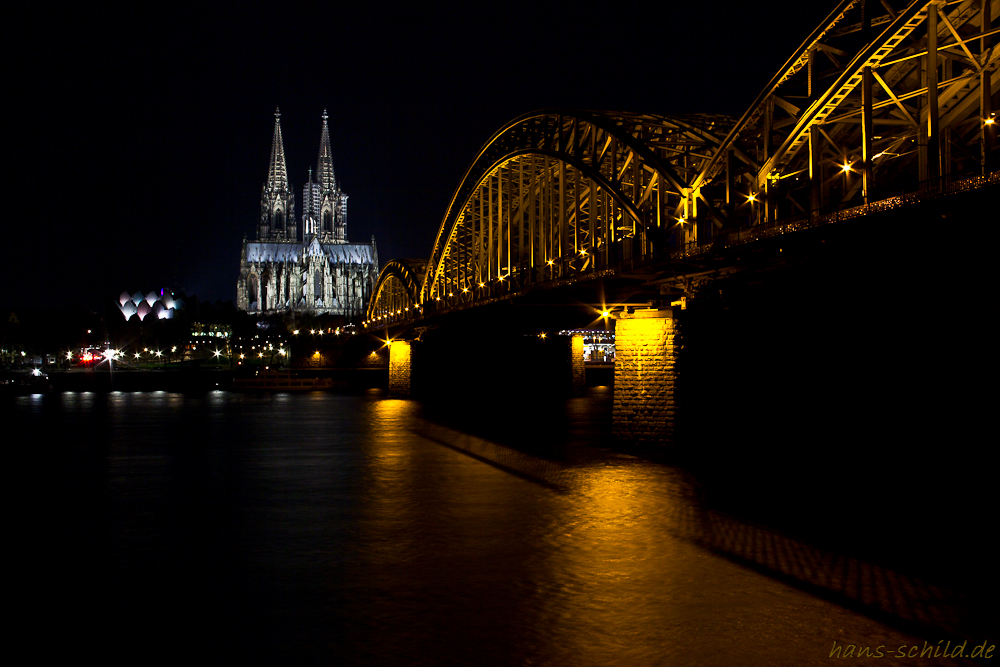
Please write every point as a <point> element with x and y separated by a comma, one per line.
<point>322,522</point>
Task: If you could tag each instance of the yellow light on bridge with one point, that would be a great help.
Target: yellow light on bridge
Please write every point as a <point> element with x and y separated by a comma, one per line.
<point>549,262</point>
<point>752,197</point>
<point>846,167</point>
<point>606,313</point>
<point>482,284</point>
<point>542,336</point>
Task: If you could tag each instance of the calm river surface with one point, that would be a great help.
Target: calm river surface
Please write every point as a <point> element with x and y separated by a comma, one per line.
<point>352,529</point>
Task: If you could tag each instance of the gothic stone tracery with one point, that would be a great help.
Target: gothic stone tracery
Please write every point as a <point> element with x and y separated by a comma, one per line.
<point>319,273</point>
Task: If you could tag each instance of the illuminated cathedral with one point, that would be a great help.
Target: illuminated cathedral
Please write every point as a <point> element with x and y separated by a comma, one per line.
<point>319,272</point>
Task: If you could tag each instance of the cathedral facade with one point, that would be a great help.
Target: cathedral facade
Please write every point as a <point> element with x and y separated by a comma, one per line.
<point>319,272</point>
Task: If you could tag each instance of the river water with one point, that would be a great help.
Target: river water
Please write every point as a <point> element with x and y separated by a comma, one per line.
<point>349,528</point>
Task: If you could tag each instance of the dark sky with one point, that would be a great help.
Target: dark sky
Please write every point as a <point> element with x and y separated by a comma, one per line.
<point>141,137</point>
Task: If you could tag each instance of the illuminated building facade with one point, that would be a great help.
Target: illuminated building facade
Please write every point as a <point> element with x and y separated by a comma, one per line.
<point>319,273</point>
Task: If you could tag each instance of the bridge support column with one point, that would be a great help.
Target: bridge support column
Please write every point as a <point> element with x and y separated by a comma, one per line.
<point>400,368</point>
<point>646,346</point>
<point>578,382</point>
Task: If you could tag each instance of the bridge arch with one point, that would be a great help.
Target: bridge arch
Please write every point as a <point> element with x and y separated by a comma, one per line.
<point>875,103</point>
<point>872,111</point>
<point>556,192</point>
<point>396,292</point>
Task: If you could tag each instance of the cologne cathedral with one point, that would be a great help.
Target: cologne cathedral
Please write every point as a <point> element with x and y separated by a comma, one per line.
<point>319,273</point>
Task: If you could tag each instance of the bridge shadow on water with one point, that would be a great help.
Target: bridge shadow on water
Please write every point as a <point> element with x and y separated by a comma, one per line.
<point>832,431</point>
<point>906,541</point>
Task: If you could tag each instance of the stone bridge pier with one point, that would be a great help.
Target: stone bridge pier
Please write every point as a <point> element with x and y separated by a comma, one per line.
<point>647,343</point>
<point>471,364</point>
<point>400,368</point>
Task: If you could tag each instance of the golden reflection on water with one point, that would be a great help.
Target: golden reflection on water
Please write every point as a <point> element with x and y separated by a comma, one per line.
<point>401,547</point>
<point>389,506</point>
<point>610,553</point>
<point>603,563</point>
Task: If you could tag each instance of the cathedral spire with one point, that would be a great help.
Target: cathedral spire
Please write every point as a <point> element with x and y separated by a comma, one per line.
<point>324,164</point>
<point>277,203</point>
<point>277,174</point>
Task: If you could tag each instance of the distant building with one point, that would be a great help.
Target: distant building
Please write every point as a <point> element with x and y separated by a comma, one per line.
<point>319,273</point>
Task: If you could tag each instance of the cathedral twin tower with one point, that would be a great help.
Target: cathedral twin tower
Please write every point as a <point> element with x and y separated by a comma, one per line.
<point>319,273</point>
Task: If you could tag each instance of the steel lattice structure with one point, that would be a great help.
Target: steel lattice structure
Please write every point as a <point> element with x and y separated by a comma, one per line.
<point>398,287</point>
<point>879,100</point>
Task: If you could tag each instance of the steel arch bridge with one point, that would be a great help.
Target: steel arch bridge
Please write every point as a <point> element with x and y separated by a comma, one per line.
<point>883,104</point>
<point>397,289</point>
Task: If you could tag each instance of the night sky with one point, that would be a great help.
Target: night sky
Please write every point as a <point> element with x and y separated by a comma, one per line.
<point>142,136</point>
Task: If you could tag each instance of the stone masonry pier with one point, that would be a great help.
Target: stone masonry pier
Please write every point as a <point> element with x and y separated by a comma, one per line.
<point>646,348</point>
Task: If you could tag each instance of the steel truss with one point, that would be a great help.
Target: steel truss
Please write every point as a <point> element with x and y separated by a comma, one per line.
<point>557,193</point>
<point>879,100</point>
<point>397,291</point>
